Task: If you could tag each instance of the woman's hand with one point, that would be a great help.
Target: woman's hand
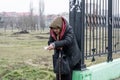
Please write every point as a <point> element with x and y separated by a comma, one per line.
<point>51,47</point>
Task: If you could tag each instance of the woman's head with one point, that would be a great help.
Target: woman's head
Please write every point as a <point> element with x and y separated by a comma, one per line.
<point>56,25</point>
<point>57,22</point>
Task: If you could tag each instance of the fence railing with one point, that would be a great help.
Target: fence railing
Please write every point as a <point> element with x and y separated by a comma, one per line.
<point>96,24</point>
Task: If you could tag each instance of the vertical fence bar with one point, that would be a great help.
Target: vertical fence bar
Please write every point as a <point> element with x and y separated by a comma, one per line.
<point>118,27</point>
<point>100,26</point>
<point>103,26</point>
<point>113,30</point>
<point>83,66</point>
<point>93,30</point>
<point>90,30</point>
<point>86,26</point>
<point>96,22</point>
<point>117,43</point>
<point>113,25</point>
<point>106,27</point>
<point>109,57</point>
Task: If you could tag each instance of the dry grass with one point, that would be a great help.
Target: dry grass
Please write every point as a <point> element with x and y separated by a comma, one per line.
<point>30,48</point>
<point>23,47</point>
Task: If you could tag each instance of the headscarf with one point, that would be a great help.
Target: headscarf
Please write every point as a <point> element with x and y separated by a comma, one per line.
<point>58,22</point>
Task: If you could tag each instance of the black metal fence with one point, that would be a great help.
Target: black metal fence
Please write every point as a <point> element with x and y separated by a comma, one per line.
<point>96,24</point>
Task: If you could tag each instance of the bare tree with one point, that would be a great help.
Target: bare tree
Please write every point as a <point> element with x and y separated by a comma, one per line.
<point>31,17</point>
<point>41,14</point>
<point>8,22</point>
<point>26,22</point>
<point>1,22</point>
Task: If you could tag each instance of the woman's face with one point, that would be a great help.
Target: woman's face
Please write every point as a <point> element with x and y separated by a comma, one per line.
<point>56,30</point>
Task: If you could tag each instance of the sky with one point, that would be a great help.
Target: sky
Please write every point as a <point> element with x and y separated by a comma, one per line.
<point>51,6</point>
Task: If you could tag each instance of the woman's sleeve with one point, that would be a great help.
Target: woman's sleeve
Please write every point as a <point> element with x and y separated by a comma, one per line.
<point>51,40</point>
<point>67,41</point>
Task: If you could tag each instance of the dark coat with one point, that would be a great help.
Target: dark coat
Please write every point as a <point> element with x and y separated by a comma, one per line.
<point>68,44</point>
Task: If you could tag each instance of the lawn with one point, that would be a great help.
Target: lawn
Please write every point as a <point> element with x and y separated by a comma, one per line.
<point>22,57</point>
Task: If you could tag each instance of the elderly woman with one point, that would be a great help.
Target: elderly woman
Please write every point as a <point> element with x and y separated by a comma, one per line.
<point>62,38</point>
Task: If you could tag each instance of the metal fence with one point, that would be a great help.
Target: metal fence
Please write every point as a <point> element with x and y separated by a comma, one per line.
<point>96,24</point>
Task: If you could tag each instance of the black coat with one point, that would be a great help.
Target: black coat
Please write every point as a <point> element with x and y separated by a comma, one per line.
<point>69,46</point>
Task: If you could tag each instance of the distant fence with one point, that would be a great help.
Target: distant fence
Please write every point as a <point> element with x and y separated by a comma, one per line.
<point>96,24</point>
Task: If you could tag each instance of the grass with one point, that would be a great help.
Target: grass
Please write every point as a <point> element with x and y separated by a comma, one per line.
<point>21,52</point>
<point>22,57</point>
<point>21,45</point>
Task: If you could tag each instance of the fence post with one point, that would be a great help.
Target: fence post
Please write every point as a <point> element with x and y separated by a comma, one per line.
<point>83,66</point>
<point>109,57</point>
<point>76,19</point>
